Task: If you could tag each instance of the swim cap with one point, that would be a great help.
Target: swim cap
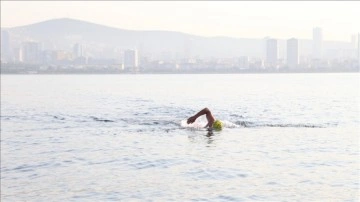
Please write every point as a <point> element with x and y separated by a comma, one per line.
<point>217,125</point>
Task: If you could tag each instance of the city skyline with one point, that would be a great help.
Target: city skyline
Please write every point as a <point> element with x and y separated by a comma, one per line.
<point>86,46</point>
<point>233,19</point>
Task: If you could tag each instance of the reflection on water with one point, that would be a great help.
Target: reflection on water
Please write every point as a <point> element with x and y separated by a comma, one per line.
<point>207,137</point>
<point>210,135</point>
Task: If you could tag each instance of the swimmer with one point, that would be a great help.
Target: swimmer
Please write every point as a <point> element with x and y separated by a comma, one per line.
<point>212,122</point>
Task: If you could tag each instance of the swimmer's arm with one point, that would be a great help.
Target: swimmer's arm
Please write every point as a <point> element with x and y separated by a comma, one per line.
<point>197,115</point>
<point>210,118</point>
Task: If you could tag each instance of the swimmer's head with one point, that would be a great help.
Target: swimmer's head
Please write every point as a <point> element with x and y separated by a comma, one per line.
<point>217,125</point>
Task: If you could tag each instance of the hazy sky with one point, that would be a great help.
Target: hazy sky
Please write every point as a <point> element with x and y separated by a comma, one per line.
<point>257,19</point>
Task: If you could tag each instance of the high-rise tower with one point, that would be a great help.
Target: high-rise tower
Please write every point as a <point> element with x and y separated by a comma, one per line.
<point>317,43</point>
<point>131,60</point>
<point>272,53</point>
<point>292,49</point>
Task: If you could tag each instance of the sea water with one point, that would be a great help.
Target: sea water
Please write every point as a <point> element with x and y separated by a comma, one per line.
<point>287,137</point>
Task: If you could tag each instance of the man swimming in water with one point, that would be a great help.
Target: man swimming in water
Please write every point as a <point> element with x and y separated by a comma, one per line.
<point>212,123</point>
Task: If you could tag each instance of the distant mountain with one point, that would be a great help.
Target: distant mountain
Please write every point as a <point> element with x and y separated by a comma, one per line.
<point>64,33</point>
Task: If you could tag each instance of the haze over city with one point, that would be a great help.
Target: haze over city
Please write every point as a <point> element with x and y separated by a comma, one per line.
<point>156,36</point>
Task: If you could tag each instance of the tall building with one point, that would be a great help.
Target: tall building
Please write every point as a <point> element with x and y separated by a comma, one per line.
<point>78,54</point>
<point>30,52</point>
<point>317,43</point>
<point>78,50</point>
<point>5,46</point>
<point>292,49</point>
<point>272,52</point>
<point>131,61</point>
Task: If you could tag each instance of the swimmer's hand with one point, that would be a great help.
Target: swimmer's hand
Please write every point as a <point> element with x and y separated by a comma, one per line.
<point>191,119</point>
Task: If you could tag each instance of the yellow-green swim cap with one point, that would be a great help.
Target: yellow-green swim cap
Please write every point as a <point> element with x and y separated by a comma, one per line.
<point>217,125</point>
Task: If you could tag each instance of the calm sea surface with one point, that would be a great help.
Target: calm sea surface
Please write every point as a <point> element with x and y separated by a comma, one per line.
<point>288,137</point>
